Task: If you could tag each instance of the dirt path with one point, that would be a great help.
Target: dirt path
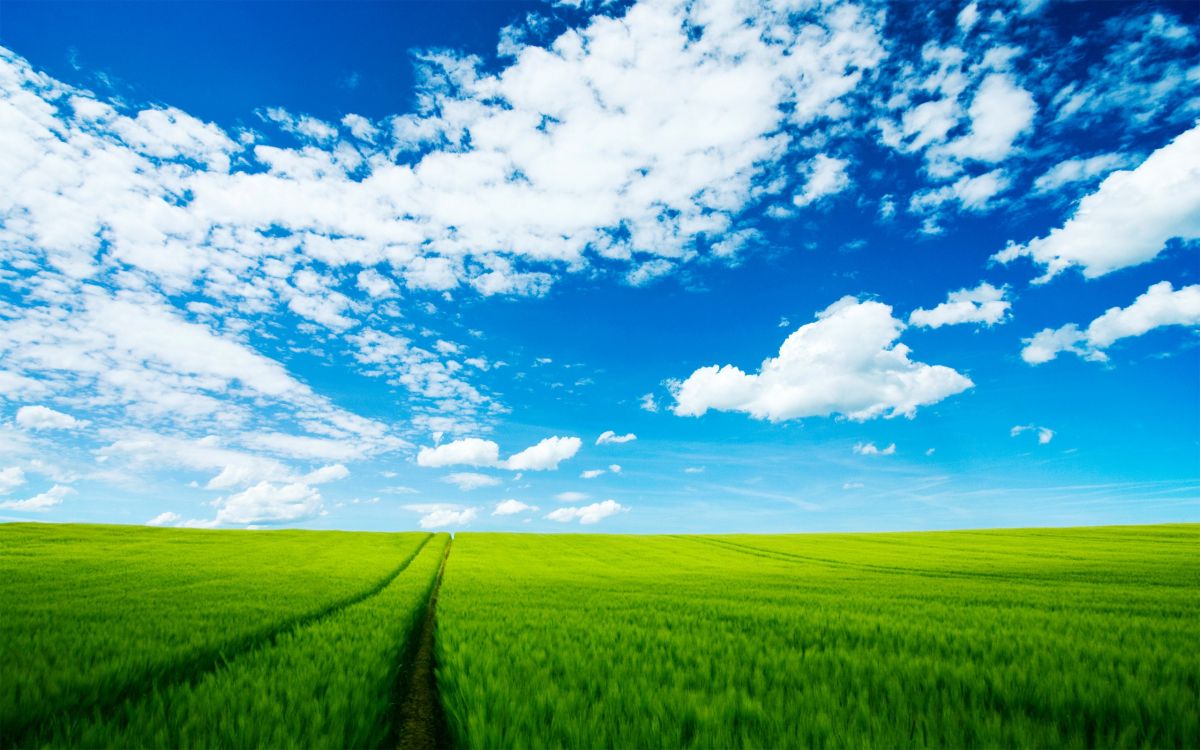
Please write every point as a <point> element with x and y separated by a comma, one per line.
<point>421,722</point>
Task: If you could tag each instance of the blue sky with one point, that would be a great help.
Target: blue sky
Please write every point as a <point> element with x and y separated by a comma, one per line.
<point>619,267</point>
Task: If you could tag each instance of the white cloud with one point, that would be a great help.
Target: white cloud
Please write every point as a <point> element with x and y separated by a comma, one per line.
<point>1129,219</point>
<point>466,452</point>
<point>591,473</point>
<point>971,193</point>
<point>984,304</point>
<point>1044,434</point>
<point>615,468</point>
<point>375,284</point>
<point>11,478</point>
<point>545,455</point>
<point>268,503</point>
<point>512,507</point>
<point>647,403</point>
<point>165,519</point>
<point>571,497</point>
<point>846,362</point>
<point>469,480</point>
<point>45,418</point>
<point>437,515</point>
<point>694,470</point>
<point>659,123</point>
<point>325,474</point>
<point>870,449</point>
<point>608,436</point>
<point>852,486</point>
<point>588,514</point>
<point>1000,112</point>
<point>42,502</point>
<point>1160,305</point>
<point>1072,171</point>
<point>824,176</point>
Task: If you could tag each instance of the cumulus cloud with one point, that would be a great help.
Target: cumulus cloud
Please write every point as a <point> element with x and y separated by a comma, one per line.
<point>45,418</point>
<point>164,519</point>
<point>545,455</point>
<point>469,480</point>
<point>1073,171</point>
<point>512,507</point>
<point>42,502</point>
<point>437,515</point>
<point>1160,305</point>
<point>1044,434</point>
<point>325,474</point>
<point>847,362</point>
<point>1130,217</point>
<point>464,452</point>
<point>984,304</point>
<point>269,503</point>
<point>1000,112</point>
<point>608,436</point>
<point>588,514</point>
<point>647,403</point>
<point>11,478</point>
<point>824,176</point>
<point>668,116</point>
<point>870,449</point>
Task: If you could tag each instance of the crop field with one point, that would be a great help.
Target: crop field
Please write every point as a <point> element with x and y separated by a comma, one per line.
<point>134,637</point>
<point>1040,638</point>
<point>125,637</point>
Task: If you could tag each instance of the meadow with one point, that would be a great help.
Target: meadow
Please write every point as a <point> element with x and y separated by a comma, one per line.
<point>125,636</point>
<point>149,638</point>
<point>1037,638</point>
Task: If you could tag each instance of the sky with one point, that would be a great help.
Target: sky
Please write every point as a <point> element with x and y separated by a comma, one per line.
<point>648,267</point>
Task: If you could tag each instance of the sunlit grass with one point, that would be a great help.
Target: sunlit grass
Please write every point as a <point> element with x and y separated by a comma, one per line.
<point>1037,638</point>
<point>94,614</point>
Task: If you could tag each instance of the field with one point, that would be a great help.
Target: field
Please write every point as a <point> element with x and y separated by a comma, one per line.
<point>133,637</point>
<point>128,637</point>
<point>1075,638</point>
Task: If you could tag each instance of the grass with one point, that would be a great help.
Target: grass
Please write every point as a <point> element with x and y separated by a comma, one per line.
<point>93,615</point>
<point>329,684</point>
<point>133,637</point>
<point>1036,638</point>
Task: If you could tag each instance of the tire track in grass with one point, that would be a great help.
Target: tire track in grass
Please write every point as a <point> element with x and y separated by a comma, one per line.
<point>981,576</point>
<point>191,669</point>
<point>421,719</point>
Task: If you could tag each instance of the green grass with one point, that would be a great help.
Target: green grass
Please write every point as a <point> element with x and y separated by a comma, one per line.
<point>329,684</point>
<point>95,614</point>
<point>149,638</point>
<point>1036,638</point>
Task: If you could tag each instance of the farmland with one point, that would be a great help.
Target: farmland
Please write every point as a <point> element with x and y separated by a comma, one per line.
<point>1084,637</point>
<point>112,636</point>
<point>135,637</point>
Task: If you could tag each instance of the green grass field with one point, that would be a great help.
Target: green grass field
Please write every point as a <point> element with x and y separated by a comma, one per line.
<point>135,637</point>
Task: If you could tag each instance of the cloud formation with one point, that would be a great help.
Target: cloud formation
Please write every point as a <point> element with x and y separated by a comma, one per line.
<point>608,436</point>
<point>41,502</point>
<point>1129,219</point>
<point>512,507</point>
<point>847,362</point>
<point>1160,305</point>
<point>984,304</point>
<point>588,514</point>
<point>45,418</point>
